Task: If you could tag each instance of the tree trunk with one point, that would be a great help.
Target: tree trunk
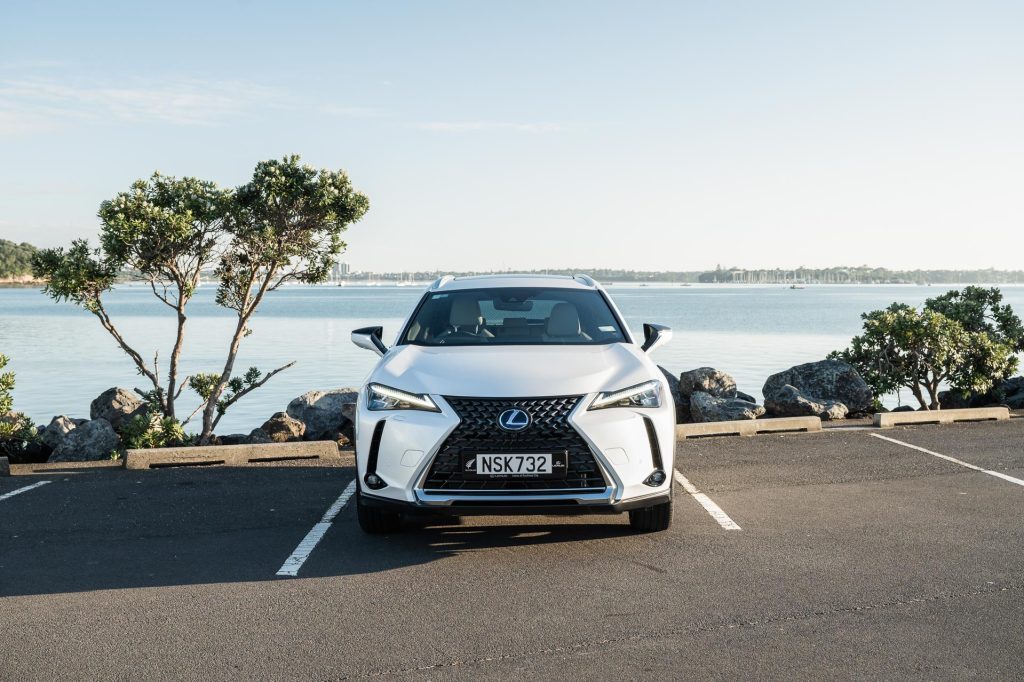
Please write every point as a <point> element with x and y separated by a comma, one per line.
<point>209,412</point>
<point>915,387</point>
<point>172,373</point>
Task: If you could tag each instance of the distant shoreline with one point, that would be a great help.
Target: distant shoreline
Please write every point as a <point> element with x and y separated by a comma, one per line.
<point>23,281</point>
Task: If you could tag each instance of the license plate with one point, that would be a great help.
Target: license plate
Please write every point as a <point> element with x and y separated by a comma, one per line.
<point>526,465</point>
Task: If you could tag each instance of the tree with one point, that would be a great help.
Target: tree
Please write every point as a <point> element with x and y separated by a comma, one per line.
<point>17,432</point>
<point>284,225</point>
<point>15,259</point>
<point>164,231</point>
<point>903,347</point>
<point>980,310</point>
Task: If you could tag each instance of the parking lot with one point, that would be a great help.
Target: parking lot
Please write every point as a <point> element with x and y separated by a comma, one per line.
<point>832,554</point>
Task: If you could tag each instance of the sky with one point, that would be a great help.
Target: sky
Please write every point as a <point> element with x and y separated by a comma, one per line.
<point>528,135</point>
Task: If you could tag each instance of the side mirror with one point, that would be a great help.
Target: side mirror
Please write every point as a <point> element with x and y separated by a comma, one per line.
<point>654,336</point>
<point>370,339</point>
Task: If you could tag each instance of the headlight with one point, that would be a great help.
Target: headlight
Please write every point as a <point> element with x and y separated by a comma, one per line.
<point>647,394</point>
<point>380,397</point>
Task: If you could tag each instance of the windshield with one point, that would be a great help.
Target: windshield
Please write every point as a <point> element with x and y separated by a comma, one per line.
<point>513,316</point>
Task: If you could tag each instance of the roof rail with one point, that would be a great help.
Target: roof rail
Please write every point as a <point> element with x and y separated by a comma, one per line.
<point>585,279</point>
<point>441,281</point>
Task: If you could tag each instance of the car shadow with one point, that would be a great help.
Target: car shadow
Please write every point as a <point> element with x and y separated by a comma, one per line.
<point>346,550</point>
<point>137,529</point>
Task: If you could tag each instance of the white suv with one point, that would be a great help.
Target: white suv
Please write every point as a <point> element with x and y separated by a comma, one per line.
<point>512,394</point>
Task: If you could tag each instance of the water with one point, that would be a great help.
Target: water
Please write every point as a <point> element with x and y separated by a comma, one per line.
<point>64,359</point>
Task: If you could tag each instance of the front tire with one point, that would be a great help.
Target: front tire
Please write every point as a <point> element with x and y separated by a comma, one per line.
<point>651,519</point>
<point>374,520</point>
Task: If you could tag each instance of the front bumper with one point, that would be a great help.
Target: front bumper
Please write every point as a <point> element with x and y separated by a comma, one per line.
<point>517,506</point>
<point>627,445</point>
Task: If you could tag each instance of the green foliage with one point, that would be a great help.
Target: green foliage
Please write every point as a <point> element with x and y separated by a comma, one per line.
<point>979,309</point>
<point>920,350</point>
<point>164,230</point>
<point>17,432</point>
<point>204,384</point>
<point>153,431</point>
<point>79,274</point>
<point>6,386</point>
<point>285,224</point>
<point>15,259</point>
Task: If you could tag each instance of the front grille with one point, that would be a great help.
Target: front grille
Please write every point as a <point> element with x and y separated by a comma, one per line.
<point>549,431</point>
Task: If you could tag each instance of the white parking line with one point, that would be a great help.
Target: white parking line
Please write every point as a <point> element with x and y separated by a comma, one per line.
<point>997,474</point>
<point>716,512</point>
<point>22,490</point>
<point>293,563</point>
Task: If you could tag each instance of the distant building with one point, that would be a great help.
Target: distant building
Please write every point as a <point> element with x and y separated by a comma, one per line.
<point>340,270</point>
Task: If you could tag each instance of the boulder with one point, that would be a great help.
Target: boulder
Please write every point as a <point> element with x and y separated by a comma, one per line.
<point>1013,393</point>
<point>117,406</point>
<point>707,380</point>
<point>92,441</point>
<point>233,439</point>
<point>682,404</point>
<point>258,437</point>
<point>826,382</point>
<point>789,401</point>
<point>53,435</point>
<point>903,408</point>
<point>705,407</point>
<point>281,428</point>
<point>324,413</point>
<point>746,396</point>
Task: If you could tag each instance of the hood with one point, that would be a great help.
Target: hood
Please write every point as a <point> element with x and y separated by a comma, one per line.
<point>514,371</point>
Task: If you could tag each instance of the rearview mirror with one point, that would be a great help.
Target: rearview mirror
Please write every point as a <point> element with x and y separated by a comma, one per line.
<point>654,336</point>
<point>370,339</point>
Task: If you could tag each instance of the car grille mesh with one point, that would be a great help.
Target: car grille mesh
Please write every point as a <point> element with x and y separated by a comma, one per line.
<point>549,431</point>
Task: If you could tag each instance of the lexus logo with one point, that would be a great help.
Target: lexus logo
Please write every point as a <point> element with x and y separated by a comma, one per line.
<point>514,419</point>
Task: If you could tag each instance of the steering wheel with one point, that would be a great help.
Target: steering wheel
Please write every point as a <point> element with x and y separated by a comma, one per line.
<point>454,333</point>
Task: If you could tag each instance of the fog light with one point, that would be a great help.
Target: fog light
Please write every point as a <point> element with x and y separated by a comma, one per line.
<point>374,482</point>
<point>655,479</point>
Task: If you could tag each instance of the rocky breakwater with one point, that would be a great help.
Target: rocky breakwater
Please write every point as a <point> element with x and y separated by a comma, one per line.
<point>830,389</point>
<point>710,395</point>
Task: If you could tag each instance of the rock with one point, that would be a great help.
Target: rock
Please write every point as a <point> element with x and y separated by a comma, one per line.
<point>233,439</point>
<point>948,400</point>
<point>53,435</point>
<point>789,401</point>
<point>117,406</point>
<point>707,380</point>
<point>682,403</point>
<point>281,428</point>
<point>826,382</point>
<point>1013,393</point>
<point>705,407</point>
<point>89,442</point>
<point>324,413</point>
<point>258,437</point>
<point>903,408</point>
<point>746,396</point>
<point>15,419</point>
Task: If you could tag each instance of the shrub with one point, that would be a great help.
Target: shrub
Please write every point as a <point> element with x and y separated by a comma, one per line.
<point>902,347</point>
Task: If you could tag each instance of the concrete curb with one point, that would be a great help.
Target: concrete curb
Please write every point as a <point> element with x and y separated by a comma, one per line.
<point>747,427</point>
<point>5,466</point>
<point>887,420</point>
<point>230,454</point>
<point>58,467</point>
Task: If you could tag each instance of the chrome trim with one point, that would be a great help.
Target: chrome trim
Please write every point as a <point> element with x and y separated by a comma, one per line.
<point>573,495</point>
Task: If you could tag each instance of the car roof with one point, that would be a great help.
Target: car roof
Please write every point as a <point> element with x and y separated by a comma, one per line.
<point>450,283</point>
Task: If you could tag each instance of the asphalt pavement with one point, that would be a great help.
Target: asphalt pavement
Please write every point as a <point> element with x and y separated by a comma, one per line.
<point>828,555</point>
